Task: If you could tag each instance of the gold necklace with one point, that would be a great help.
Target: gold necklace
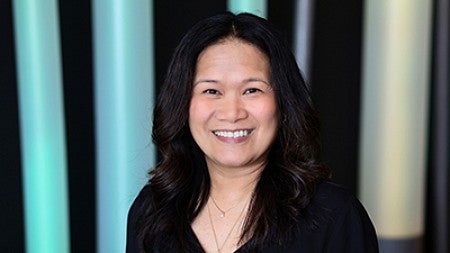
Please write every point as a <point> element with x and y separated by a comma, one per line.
<point>219,249</point>
<point>222,212</point>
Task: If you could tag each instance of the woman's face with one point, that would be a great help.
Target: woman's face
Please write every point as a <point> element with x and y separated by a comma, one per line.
<point>233,112</point>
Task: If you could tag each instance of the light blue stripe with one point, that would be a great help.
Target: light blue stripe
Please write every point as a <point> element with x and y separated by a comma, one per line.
<point>42,126</point>
<point>123,54</point>
<point>257,7</point>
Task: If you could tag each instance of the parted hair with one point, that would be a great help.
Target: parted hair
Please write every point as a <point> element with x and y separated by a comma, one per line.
<point>179,185</point>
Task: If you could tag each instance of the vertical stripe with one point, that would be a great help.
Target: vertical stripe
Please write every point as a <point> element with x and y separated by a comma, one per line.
<point>123,104</point>
<point>440,129</point>
<point>257,7</point>
<point>394,117</point>
<point>303,35</point>
<point>43,140</point>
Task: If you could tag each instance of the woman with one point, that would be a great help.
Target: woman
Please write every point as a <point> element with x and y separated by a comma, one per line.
<point>238,136</point>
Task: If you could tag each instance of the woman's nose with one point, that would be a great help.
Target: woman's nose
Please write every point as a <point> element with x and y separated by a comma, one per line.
<point>231,109</point>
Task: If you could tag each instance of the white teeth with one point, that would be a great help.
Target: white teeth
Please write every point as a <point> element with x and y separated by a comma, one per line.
<point>231,134</point>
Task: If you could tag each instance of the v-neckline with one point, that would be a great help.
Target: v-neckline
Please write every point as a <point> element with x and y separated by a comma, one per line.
<point>198,245</point>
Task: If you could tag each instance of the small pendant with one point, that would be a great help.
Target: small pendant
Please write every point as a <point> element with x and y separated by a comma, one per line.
<point>222,215</point>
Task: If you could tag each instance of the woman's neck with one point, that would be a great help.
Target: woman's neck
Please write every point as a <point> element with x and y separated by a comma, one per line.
<point>231,185</point>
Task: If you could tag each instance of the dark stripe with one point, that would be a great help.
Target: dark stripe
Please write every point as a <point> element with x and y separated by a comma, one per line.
<point>76,50</point>
<point>11,203</point>
<point>438,177</point>
<point>336,84</point>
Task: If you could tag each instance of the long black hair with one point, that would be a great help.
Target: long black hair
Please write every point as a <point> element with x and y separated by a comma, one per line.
<point>180,183</point>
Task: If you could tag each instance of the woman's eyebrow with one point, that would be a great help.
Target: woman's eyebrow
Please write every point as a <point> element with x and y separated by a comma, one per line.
<point>255,79</point>
<point>205,81</point>
<point>247,80</point>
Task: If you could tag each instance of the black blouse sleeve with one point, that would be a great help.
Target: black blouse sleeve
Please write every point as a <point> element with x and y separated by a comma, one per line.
<point>352,231</point>
<point>341,225</point>
<point>132,245</point>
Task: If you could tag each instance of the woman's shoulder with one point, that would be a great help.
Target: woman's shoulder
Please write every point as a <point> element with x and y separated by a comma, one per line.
<point>340,220</point>
<point>141,204</point>
<point>332,196</point>
<point>332,202</point>
<point>144,195</point>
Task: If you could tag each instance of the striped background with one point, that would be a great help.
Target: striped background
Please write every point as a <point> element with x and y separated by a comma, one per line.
<point>378,69</point>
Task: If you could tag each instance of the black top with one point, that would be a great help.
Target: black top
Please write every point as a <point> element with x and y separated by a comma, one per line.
<point>340,225</point>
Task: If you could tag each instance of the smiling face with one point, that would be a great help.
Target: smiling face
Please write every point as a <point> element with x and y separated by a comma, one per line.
<point>233,112</point>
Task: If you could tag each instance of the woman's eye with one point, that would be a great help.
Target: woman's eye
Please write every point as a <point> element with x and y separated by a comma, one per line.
<point>251,90</point>
<point>211,92</point>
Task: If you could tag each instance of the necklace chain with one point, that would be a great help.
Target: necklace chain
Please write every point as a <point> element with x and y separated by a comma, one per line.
<point>222,212</point>
<point>219,249</point>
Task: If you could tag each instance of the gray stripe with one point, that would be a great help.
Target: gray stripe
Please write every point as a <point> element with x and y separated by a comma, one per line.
<point>410,245</point>
<point>439,183</point>
<point>303,17</point>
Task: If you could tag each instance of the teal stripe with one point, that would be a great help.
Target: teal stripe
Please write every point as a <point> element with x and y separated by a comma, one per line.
<point>257,7</point>
<point>42,126</point>
<point>123,103</point>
